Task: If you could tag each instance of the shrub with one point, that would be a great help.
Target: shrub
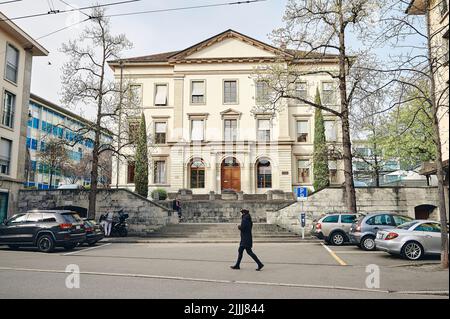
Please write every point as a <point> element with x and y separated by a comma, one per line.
<point>159,194</point>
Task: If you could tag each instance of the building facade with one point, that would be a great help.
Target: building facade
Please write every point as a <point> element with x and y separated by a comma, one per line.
<point>199,106</point>
<point>47,120</point>
<point>17,50</point>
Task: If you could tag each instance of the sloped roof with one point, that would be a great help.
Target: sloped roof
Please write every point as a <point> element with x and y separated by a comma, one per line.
<point>175,56</point>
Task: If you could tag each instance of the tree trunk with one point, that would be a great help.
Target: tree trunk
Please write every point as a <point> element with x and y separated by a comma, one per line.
<point>346,141</point>
<point>51,179</point>
<point>439,165</point>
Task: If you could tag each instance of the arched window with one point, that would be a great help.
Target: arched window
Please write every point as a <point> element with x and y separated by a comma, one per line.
<point>197,168</point>
<point>264,169</point>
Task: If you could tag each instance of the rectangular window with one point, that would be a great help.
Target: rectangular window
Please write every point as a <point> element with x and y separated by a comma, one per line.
<point>328,93</point>
<point>135,95</point>
<point>262,92</point>
<point>332,166</point>
<point>9,106</point>
<point>264,130</point>
<point>161,94</point>
<point>197,130</point>
<point>133,130</point>
<point>160,132</point>
<point>302,91</point>
<point>5,156</point>
<point>302,131</point>
<point>130,172</point>
<point>230,92</point>
<point>160,172</point>
<point>304,172</point>
<point>230,127</point>
<point>198,92</point>
<point>330,131</point>
<point>12,63</point>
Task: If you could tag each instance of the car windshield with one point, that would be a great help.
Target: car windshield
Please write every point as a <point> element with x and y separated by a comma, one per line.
<point>407,225</point>
<point>71,217</point>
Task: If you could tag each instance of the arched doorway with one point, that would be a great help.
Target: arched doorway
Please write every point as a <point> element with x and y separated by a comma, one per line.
<point>231,174</point>
<point>197,173</point>
<point>424,211</point>
<point>264,173</point>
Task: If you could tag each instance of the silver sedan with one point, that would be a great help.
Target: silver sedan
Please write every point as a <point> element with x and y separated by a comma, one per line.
<point>411,240</point>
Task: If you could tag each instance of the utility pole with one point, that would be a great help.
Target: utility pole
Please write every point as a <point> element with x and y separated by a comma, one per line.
<point>119,141</point>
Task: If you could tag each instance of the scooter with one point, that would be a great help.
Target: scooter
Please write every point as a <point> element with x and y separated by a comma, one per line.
<point>120,227</point>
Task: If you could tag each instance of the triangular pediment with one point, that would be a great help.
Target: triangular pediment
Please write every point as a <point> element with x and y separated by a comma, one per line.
<point>229,45</point>
<point>230,113</point>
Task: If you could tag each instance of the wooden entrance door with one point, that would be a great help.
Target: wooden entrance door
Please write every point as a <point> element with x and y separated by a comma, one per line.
<point>231,175</point>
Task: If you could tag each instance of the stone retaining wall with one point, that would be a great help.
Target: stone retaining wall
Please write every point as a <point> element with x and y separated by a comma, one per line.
<point>145,216</point>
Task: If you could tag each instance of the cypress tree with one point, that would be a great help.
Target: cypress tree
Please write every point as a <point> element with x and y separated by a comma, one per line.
<point>141,168</point>
<point>321,170</point>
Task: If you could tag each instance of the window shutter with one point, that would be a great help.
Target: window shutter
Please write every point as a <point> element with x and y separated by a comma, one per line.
<point>198,88</point>
<point>161,95</point>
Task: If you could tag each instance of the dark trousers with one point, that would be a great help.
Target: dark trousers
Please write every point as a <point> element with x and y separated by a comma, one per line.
<point>250,253</point>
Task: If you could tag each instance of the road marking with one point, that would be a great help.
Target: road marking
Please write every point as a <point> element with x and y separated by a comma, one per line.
<point>83,250</point>
<point>444,293</point>
<point>362,252</point>
<point>333,254</point>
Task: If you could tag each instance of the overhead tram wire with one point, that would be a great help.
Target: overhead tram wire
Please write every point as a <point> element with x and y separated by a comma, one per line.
<point>11,1</point>
<point>70,10</point>
<point>185,8</point>
<point>69,5</point>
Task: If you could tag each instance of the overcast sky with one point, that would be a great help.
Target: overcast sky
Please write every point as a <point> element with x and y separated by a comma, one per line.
<point>150,33</point>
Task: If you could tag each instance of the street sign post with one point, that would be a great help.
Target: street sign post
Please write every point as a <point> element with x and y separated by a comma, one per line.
<point>302,193</point>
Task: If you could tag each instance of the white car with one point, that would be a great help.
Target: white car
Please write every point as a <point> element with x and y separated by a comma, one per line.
<point>411,240</point>
<point>71,186</point>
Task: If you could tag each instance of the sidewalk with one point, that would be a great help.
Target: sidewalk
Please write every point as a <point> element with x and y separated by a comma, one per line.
<point>144,240</point>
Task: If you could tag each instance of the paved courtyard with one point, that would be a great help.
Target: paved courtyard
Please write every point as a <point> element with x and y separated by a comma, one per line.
<point>201,270</point>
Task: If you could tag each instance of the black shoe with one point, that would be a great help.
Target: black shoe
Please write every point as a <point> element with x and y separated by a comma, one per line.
<point>235,267</point>
<point>260,267</point>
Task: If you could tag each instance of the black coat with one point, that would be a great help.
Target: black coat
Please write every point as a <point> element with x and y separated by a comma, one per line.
<point>246,231</point>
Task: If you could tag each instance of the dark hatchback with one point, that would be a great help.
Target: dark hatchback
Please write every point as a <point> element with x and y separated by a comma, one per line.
<point>94,232</point>
<point>43,229</point>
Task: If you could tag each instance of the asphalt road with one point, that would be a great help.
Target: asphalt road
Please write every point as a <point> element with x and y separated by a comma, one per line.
<point>201,271</point>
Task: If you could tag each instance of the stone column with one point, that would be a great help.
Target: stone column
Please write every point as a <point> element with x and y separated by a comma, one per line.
<point>283,123</point>
<point>213,173</point>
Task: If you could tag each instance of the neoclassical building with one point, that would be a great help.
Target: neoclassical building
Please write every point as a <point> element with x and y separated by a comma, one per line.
<point>198,106</point>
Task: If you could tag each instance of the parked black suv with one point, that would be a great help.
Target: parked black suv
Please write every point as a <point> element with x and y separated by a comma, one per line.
<point>44,230</point>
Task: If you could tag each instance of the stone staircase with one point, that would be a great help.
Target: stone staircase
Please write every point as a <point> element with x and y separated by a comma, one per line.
<point>262,232</point>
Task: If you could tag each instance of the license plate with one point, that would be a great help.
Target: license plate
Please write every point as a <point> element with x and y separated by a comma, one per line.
<point>78,227</point>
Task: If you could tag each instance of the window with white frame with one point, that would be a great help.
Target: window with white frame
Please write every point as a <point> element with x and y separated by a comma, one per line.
<point>9,106</point>
<point>197,130</point>
<point>264,130</point>
<point>332,167</point>
<point>230,130</point>
<point>302,131</point>
<point>161,91</point>
<point>230,92</point>
<point>304,171</point>
<point>198,92</point>
<point>160,132</point>
<point>159,172</point>
<point>12,63</point>
<point>330,131</point>
<point>135,95</point>
<point>5,156</point>
<point>328,93</point>
<point>262,91</point>
<point>301,91</point>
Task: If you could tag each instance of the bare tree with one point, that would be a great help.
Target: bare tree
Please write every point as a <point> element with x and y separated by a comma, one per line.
<point>318,30</point>
<point>53,155</point>
<point>86,82</point>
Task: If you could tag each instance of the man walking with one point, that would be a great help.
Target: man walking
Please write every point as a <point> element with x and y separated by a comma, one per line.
<point>246,241</point>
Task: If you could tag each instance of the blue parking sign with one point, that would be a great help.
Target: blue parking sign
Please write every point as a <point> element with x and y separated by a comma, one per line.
<point>302,193</point>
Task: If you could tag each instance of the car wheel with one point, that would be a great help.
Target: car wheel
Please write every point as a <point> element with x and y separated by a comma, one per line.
<point>412,251</point>
<point>70,247</point>
<point>368,243</point>
<point>45,244</point>
<point>338,239</point>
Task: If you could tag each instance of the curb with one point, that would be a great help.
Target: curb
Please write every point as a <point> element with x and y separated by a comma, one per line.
<point>201,241</point>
